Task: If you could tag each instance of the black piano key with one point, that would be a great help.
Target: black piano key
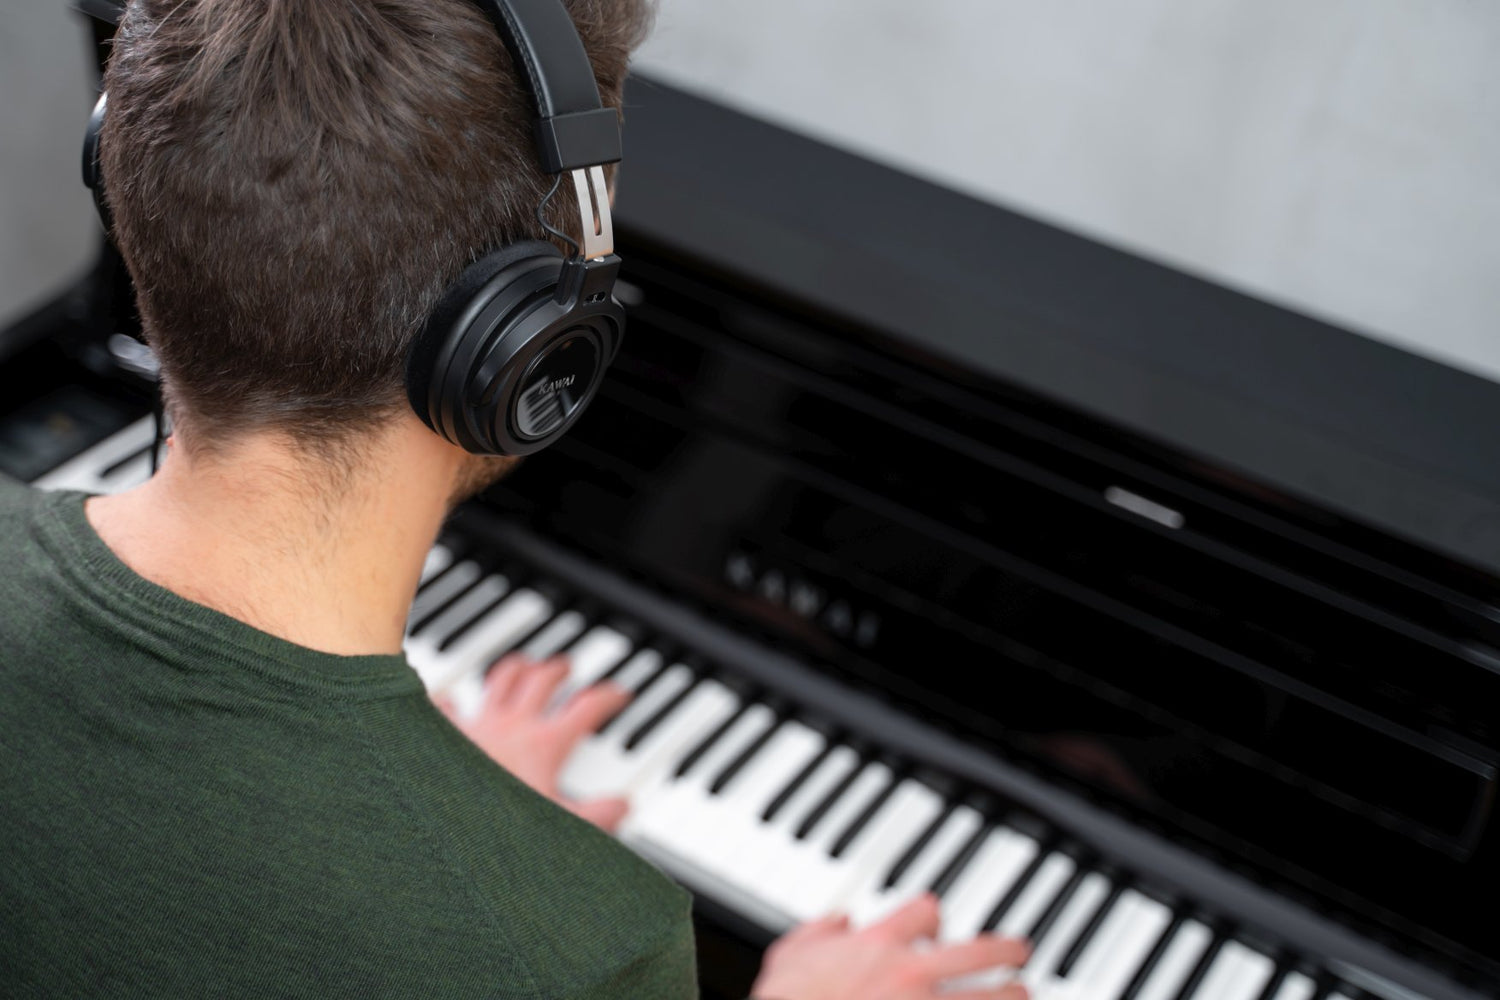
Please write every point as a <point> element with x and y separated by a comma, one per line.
<point>1152,959</point>
<point>1043,923</point>
<point>905,859</point>
<point>737,765</point>
<point>1200,968</point>
<point>798,780</point>
<point>696,754</point>
<point>640,689</point>
<point>821,809</point>
<point>473,619</point>
<point>954,868</point>
<point>869,812</point>
<point>1273,985</point>
<point>429,615</point>
<point>1014,892</point>
<point>644,729</point>
<point>1086,935</point>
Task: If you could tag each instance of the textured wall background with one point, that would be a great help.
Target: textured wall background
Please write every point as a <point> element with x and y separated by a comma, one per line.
<point>1339,156</point>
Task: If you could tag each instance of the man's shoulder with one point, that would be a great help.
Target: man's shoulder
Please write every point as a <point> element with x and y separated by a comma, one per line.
<point>24,511</point>
<point>582,913</point>
<point>17,499</point>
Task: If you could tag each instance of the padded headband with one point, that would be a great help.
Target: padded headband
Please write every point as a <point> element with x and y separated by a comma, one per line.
<point>573,128</point>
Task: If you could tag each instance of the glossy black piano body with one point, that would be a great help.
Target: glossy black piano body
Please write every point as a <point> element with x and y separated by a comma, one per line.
<point>1204,588</point>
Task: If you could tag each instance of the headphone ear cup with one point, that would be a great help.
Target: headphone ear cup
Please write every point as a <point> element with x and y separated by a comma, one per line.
<point>93,171</point>
<point>452,321</point>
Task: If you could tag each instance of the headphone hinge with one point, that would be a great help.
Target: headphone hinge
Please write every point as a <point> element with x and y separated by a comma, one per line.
<point>598,225</point>
<point>586,282</point>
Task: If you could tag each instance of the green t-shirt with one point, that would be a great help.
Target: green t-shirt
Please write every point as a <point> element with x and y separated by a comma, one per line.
<point>190,807</point>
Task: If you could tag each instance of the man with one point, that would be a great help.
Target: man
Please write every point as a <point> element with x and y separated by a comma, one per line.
<point>222,779</point>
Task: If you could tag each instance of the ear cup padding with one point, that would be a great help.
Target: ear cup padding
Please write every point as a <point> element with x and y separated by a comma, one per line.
<point>450,319</point>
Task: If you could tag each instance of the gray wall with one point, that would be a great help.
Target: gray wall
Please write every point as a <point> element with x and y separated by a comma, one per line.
<point>1336,155</point>
<point>47,227</point>
<point>1341,156</point>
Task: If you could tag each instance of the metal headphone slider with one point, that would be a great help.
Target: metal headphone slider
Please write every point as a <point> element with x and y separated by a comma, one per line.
<point>586,282</point>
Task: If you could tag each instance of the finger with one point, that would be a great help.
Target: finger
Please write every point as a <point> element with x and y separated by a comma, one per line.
<point>590,708</point>
<point>444,704</point>
<point>832,924</point>
<point>1010,991</point>
<point>917,919</point>
<point>535,686</point>
<point>502,678</point>
<point>984,952</point>
<point>606,814</point>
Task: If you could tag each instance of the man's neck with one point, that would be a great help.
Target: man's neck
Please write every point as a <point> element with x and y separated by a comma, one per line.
<point>327,559</point>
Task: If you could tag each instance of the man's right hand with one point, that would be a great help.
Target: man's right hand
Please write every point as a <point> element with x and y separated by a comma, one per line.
<point>826,960</point>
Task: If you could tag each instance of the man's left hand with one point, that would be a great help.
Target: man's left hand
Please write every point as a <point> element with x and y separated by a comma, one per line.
<point>519,729</point>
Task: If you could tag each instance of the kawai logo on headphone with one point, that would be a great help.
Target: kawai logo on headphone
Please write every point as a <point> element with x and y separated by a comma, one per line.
<point>548,388</point>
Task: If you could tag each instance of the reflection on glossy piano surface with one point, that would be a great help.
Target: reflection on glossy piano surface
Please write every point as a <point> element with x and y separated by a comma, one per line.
<point>944,550</point>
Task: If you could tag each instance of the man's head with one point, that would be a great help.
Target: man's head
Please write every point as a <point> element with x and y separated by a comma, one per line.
<point>294,182</point>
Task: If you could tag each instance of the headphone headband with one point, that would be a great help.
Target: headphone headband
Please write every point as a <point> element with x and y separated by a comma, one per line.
<point>573,128</point>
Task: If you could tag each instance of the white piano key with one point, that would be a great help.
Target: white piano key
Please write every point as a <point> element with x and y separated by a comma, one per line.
<point>1176,962</point>
<point>600,765</point>
<point>637,670</point>
<point>875,901</point>
<point>911,807</point>
<point>1040,891</point>
<point>790,749</point>
<point>439,558</point>
<point>813,883</point>
<point>1059,937</point>
<point>633,673</point>
<point>987,878</point>
<point>1237,973</point>
<point>559,632</point>
<point>671,811</point>
<point>423,648</point>
<point>590,658</point>
<point>1296,986</point>
<point>86,471</point>
<point>1256,970</point>
<point>441,590</point>
<point>469,656</point>
<point>672,682</point>
<point>737,808</point>
<point>772,847</point>
<point>705,709</point>
<point>1117,950</point>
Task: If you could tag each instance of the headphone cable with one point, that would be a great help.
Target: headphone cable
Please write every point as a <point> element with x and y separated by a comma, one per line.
<point>541,218</point>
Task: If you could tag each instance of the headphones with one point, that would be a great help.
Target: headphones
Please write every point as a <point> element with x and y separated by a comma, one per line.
<point>516,348</point>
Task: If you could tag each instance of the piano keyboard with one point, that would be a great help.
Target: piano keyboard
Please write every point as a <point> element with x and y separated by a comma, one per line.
<point>782,818</point>
<point>783,821</point>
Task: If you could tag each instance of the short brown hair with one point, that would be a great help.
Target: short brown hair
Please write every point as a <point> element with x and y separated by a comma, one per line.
<point>294,182</point>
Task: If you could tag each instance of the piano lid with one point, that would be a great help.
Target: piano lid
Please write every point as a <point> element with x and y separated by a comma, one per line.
<point>1399,442</point>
